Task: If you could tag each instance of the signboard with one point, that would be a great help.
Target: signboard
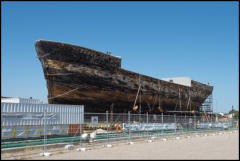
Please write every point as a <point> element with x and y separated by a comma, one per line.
<point>213,125</point>
<point>94,120</point>
<point>190,120</point>
<point>151,126</point>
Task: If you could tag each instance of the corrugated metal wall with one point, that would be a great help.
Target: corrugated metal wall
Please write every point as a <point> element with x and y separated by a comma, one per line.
<point>20,100</point>
<point>33,114</point>
<point>27,100</point>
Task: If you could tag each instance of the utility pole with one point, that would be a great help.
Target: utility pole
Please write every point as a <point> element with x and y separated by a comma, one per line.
<point>232,112</point>
<point>140,96</point>
<point>232,117</point>
<point>139,79</point>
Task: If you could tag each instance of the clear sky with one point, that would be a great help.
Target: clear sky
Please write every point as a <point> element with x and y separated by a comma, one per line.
<point>160,39</point>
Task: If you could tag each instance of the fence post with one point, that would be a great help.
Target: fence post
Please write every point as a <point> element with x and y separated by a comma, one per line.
<point>162,124</point>
<point>45,137</point>
<point>107,127</point>
<point>185,121</point>
<point>194,119</point>
<point>80,126</point>
<point>139,117</point>
<point>129,137</point>
<point>81,117</point>
<point>45,134</point>
<point>175,122</point>
<point>147,123</point>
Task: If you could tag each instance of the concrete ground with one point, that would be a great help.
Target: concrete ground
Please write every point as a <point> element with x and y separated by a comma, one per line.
<point>220,146</point>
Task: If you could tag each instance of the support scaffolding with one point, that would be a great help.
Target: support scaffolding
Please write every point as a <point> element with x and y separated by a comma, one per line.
<point>207,105</point>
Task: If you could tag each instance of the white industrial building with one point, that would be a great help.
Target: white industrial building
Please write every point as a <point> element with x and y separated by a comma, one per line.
<point>19,100</point>
<point>186,81</point>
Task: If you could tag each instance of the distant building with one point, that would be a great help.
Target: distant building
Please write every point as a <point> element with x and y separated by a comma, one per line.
<point>19,100</point>
<point>222,114</point>
<point>229,116</point>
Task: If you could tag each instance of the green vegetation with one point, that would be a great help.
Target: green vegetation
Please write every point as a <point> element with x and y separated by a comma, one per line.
<point>235,113</point>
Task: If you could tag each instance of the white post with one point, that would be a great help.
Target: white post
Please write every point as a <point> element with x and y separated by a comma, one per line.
<point>81,148</point>
<point>185,121</point>
<point>45,136</point>
<point>129,133</point>
<point>80,125</point>
<point>182,122</point>
<point>108,145</point>
<point>44,123</point>
<point>129,126</point>
<point>107,126</point>
<point>194,121</point>
<point>147,123</point>
<point>175,122</point>
<point>162,124</point>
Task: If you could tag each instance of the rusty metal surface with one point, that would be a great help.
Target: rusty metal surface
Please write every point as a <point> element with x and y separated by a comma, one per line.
<point>100,82</point>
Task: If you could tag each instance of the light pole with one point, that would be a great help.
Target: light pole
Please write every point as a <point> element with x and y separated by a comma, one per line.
<point>232,116</point>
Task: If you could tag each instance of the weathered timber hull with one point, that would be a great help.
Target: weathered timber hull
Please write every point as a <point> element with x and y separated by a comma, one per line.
<point>78,75</point>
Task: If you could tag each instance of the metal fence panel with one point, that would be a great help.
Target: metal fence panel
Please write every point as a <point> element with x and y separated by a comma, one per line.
<point>98,128</point>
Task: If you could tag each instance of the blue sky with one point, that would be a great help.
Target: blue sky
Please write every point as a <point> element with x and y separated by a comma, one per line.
<point>159,39</point>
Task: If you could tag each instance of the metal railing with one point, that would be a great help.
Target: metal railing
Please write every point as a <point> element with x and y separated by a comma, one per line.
<point>100,129</point>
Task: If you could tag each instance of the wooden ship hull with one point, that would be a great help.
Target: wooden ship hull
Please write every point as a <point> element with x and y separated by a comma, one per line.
<point>81,76</point>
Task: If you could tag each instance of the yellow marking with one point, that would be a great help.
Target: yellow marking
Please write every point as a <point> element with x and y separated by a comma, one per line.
<point>62,130</point>
<point>14,131</point>
<point>40,130</point>
<point>27,131</point>
<point>159,109</point>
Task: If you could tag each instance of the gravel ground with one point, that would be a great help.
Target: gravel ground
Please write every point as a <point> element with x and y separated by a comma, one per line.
<point>220,146</point>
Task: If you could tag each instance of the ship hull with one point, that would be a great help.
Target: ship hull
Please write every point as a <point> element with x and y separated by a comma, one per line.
<point>77,75</point>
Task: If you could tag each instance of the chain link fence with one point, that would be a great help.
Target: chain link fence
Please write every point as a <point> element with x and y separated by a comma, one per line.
<point>102,129</point>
